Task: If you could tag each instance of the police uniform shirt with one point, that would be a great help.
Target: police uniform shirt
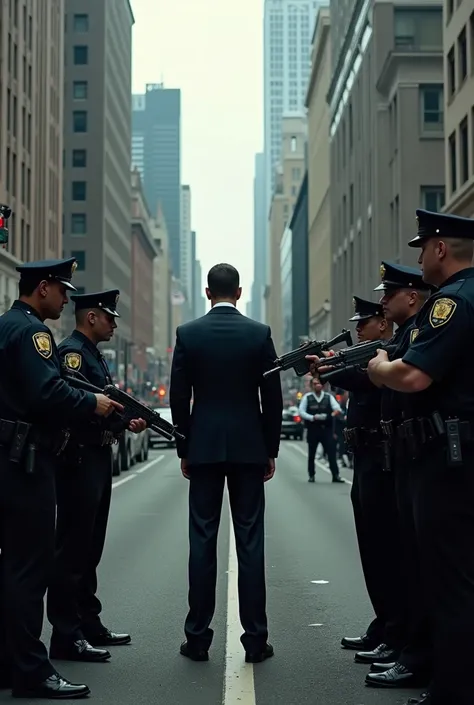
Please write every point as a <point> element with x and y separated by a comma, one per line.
<point>311,405</point>
<point>31,387</point>
<point>391,401</point>
<point>79,354</point>
<point>443,349</point>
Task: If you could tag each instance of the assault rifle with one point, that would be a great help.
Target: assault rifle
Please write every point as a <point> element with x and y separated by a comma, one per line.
<point>134,409</point>
<point>296,359</point>
<point>355,357</point>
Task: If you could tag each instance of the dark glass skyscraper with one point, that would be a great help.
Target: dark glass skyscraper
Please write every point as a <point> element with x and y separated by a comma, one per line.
<point>156,153</point>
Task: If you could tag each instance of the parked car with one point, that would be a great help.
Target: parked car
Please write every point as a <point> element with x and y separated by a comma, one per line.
<point>292,424</point>
<point>155,439</point>
<point>131,448</point>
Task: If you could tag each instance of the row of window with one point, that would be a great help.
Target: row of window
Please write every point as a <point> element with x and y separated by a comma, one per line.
<point>80,23</point>
<point>460,58</point>
<point>461,145</point>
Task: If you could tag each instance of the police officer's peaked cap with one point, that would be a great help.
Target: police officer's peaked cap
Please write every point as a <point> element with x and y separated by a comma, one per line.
<point>398,276</point>
<point>441,225</point>
<point>106,300</point>
<point>364,309</point>
<point>60,270</point>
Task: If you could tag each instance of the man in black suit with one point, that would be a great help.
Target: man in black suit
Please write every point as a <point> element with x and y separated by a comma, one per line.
<point>219,361</point>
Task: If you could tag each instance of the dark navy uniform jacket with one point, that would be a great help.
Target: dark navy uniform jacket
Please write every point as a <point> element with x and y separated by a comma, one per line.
<point>443,349</point>
<point>79,354</point>
<point>31,387</point>
<point>392,401</point>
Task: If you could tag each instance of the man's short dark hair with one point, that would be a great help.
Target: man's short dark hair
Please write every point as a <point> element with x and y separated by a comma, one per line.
<point>223,281</point>
<point>27,286</point>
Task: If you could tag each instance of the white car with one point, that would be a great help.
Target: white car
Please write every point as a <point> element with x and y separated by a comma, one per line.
<point>155,439</point>
<point>131,448</point>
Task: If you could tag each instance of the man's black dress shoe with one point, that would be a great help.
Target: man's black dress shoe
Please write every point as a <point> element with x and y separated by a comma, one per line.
<point>381,667</point>
<point>358,643</point>
<point>195,654</point>
<point>337,479</point>
<point>79,650</point>
<point>108,638</point>
<point>53,688</point>
<point>259,656</point>
<point>396,677</point>
<point>381,654</point>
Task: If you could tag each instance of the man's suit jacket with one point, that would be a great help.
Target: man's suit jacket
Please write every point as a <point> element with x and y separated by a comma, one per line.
<point>219,361</point>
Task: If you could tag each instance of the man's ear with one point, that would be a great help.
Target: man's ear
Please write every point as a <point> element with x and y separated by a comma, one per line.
<point>208,294</point>
<point>43,288</point>
<point>239,293</point>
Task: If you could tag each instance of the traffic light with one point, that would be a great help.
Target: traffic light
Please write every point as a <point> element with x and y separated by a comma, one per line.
<point>162,392</point>
<point>5,213</point>
<point>299,395</point>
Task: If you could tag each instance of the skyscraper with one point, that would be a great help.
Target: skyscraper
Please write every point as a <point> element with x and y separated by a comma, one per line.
<point>259,239</point>
<point>288,28</point>
<point>31,134</point>
<point>156,152</point>
<point>97,138</point>
<point>186,269</point>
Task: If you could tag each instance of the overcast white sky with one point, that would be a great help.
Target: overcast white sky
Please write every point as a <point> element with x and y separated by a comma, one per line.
<point>213,51</point>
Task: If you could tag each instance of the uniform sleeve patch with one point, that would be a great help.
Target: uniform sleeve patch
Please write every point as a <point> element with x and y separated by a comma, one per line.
<point>441,312</point>
<point>43,344</point>
<point>413,334</point>
<point>73,360</point>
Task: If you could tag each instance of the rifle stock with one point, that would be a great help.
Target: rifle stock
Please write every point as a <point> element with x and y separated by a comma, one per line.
<point>296,359</point>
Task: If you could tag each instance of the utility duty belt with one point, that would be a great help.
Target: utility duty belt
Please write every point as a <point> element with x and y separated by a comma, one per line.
<point>22,440</point>
<point>360,437</point>
<point>94,437</point>
<point>415,433</point>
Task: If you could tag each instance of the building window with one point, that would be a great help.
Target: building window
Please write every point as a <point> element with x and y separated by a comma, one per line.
<point>451,72</point>
<point>79,158</point>
<point>79,190</point>
<point>296,174</point>
<point>462,56</point>
<point>80,90</point>
<point>81,55</point>
<point>464,151</point>
<point>293,144</point>
<point>81,23</point>
<point>433,198</point>
<point>79,121</point>
<point>453,162</point>
<point>78,224</point>
<point>80,257</point>
<point>420,29</point>
<point>432,108</point>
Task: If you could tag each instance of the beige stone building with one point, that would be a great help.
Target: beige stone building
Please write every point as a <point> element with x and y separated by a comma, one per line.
<point>162,287</point>
<point>288,178</point>
<point>31,133</point>
<point>458,45</point>
<point>319,207</point>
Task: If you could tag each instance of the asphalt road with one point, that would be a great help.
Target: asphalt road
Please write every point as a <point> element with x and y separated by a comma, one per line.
<point>315,596</point>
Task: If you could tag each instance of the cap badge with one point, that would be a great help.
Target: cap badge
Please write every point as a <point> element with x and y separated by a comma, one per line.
<point>116,299</point>
<point>382,272</point>
<point>354,303</point>
<point>73,267</point>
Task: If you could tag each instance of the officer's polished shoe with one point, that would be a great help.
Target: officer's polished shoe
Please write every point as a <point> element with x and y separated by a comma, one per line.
<point>381,667</point>
<point>79,650</point>
<point>108,638</point>
<point>396,677</point>
<point>381,654</point>
<point>53,688</point>
<point>259,656</point>
<point>195,654</point>
<point>337,479</point>
<point>311,479</point>
<point>358,643</point>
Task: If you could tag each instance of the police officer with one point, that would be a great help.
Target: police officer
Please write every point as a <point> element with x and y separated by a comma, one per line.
<point>34,402</point>
<point>318,408</point>
<point>84,488</point>
<point>403,294</point>
<point>369,486</point>
<point>436,375</point>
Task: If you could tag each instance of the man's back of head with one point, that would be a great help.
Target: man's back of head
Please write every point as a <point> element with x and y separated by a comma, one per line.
<point>223,284</point>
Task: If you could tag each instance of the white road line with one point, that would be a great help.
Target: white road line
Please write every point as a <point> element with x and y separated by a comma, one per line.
<point>150,464</point>
<point>133,475</point>
<point>239,686</point>
<point>319,465</point>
